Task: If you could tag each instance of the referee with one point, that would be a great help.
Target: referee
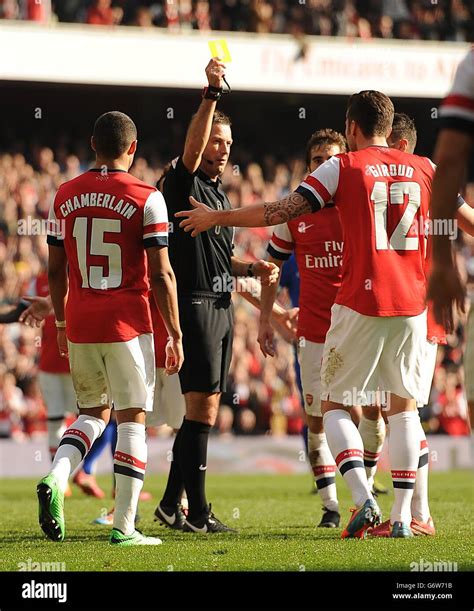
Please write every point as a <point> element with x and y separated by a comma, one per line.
<point>204,268</point>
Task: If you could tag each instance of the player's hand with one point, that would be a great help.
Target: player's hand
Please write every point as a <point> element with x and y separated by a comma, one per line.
<point>62,343</point>
<point>200,219</point>
<point>174,356</point>
<point>286,324</point>
<point>215,72</point>
<point>39,309</point>
<point>266,271</point>
<point>266,338</point>
<point>446,289</point>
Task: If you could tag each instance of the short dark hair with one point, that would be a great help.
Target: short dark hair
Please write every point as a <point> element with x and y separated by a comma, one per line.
<point>404,127</point>
<point>221,118</point>
<point>325,137</point>
<point>372,111</point>
<point>113,134</point>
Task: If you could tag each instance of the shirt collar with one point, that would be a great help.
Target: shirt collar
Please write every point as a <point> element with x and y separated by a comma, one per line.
<point>204,177</point>
<point>108,171</point>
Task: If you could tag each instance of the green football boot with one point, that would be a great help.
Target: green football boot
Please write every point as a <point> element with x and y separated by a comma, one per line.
<point>51,508</point>
<point>136,538</point>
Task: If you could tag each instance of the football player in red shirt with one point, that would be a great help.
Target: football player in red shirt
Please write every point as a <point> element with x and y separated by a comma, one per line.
<point>377,337</point>
<point>318,245</point>
<point>108,233</point>
<point>404,138</point>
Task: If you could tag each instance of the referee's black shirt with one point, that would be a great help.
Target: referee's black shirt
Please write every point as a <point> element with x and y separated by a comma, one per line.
<point>200,264</point>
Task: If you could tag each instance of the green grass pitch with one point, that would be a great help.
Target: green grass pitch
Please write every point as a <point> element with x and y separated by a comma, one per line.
<point>276,516</point>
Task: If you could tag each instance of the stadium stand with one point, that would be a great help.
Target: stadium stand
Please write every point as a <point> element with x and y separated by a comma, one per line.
<point>451,20</point>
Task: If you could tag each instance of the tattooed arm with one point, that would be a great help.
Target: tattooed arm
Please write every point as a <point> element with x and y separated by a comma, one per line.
<point>283,210</point>
<point>202,218</point>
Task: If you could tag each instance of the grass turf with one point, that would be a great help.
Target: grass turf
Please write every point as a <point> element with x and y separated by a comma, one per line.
<point>276,517</point>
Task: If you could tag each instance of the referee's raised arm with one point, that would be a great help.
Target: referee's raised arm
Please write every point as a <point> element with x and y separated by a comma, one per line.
<point>204,270</point>
<point>201,124</point>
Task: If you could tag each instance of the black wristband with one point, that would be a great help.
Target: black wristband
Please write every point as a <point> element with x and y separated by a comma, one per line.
<point>212,93</point>
<point>250,273</point>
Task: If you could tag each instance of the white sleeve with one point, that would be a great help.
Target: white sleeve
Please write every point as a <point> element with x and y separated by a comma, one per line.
<point>281,244</point>
<point>155,221</point>
<point>457,109</point>
<point>320,186</point>
<point>55,227</point>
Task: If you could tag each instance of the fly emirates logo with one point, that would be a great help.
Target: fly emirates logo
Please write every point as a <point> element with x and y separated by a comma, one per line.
<point>330,259</point>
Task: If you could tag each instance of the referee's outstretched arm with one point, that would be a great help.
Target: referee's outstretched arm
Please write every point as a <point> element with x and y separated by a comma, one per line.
<point>201,124</point>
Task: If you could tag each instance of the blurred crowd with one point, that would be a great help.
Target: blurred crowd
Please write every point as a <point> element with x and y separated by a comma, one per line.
<point>262,396</point>
<point>402,19</point>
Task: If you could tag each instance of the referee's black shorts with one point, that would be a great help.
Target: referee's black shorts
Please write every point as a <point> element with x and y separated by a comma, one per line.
<point>207,323</point>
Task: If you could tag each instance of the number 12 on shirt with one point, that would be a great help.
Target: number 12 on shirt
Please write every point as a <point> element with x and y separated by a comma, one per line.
<point>382,196</point>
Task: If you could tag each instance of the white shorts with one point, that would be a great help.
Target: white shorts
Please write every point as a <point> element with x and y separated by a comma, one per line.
<point>168,405</point>
<point>469,357</point>
<point>363,354</point>
<point>58,393</point>
<point>431,351</point>
<point>310,355</point>
<point>122,373</point>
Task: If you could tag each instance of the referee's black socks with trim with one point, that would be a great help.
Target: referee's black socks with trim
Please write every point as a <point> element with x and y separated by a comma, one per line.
<point>193,462</point>
<point>175,486</point>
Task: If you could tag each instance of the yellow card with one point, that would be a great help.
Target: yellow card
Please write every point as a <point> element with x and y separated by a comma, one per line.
<point>220,49</point>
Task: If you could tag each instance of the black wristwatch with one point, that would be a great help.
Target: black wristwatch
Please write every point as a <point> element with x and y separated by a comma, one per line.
<point>250,273</point>
<point>212,93</point>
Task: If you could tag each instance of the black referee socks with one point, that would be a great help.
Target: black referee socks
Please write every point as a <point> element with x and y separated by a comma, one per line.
<point>193,462</point>
<point>175,485</point>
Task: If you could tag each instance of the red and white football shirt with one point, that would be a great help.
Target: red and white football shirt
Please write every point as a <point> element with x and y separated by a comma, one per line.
<point>50,360</point>
<point>317,242</point>
<point>383,197</point>
<point>160,334</point>
<point>105,221</point>
<point>457,109</point>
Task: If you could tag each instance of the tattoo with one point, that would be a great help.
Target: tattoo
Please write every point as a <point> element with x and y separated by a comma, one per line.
<point>286,209</point>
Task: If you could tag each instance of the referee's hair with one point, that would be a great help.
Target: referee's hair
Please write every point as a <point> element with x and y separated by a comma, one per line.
<point>325,137</point>
<point>403,126</point>
<point>220,118</point>
<point>113,133</point>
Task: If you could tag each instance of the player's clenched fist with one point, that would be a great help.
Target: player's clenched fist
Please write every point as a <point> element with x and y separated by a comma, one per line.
<point>215,72</point>
<point>266,271</point>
